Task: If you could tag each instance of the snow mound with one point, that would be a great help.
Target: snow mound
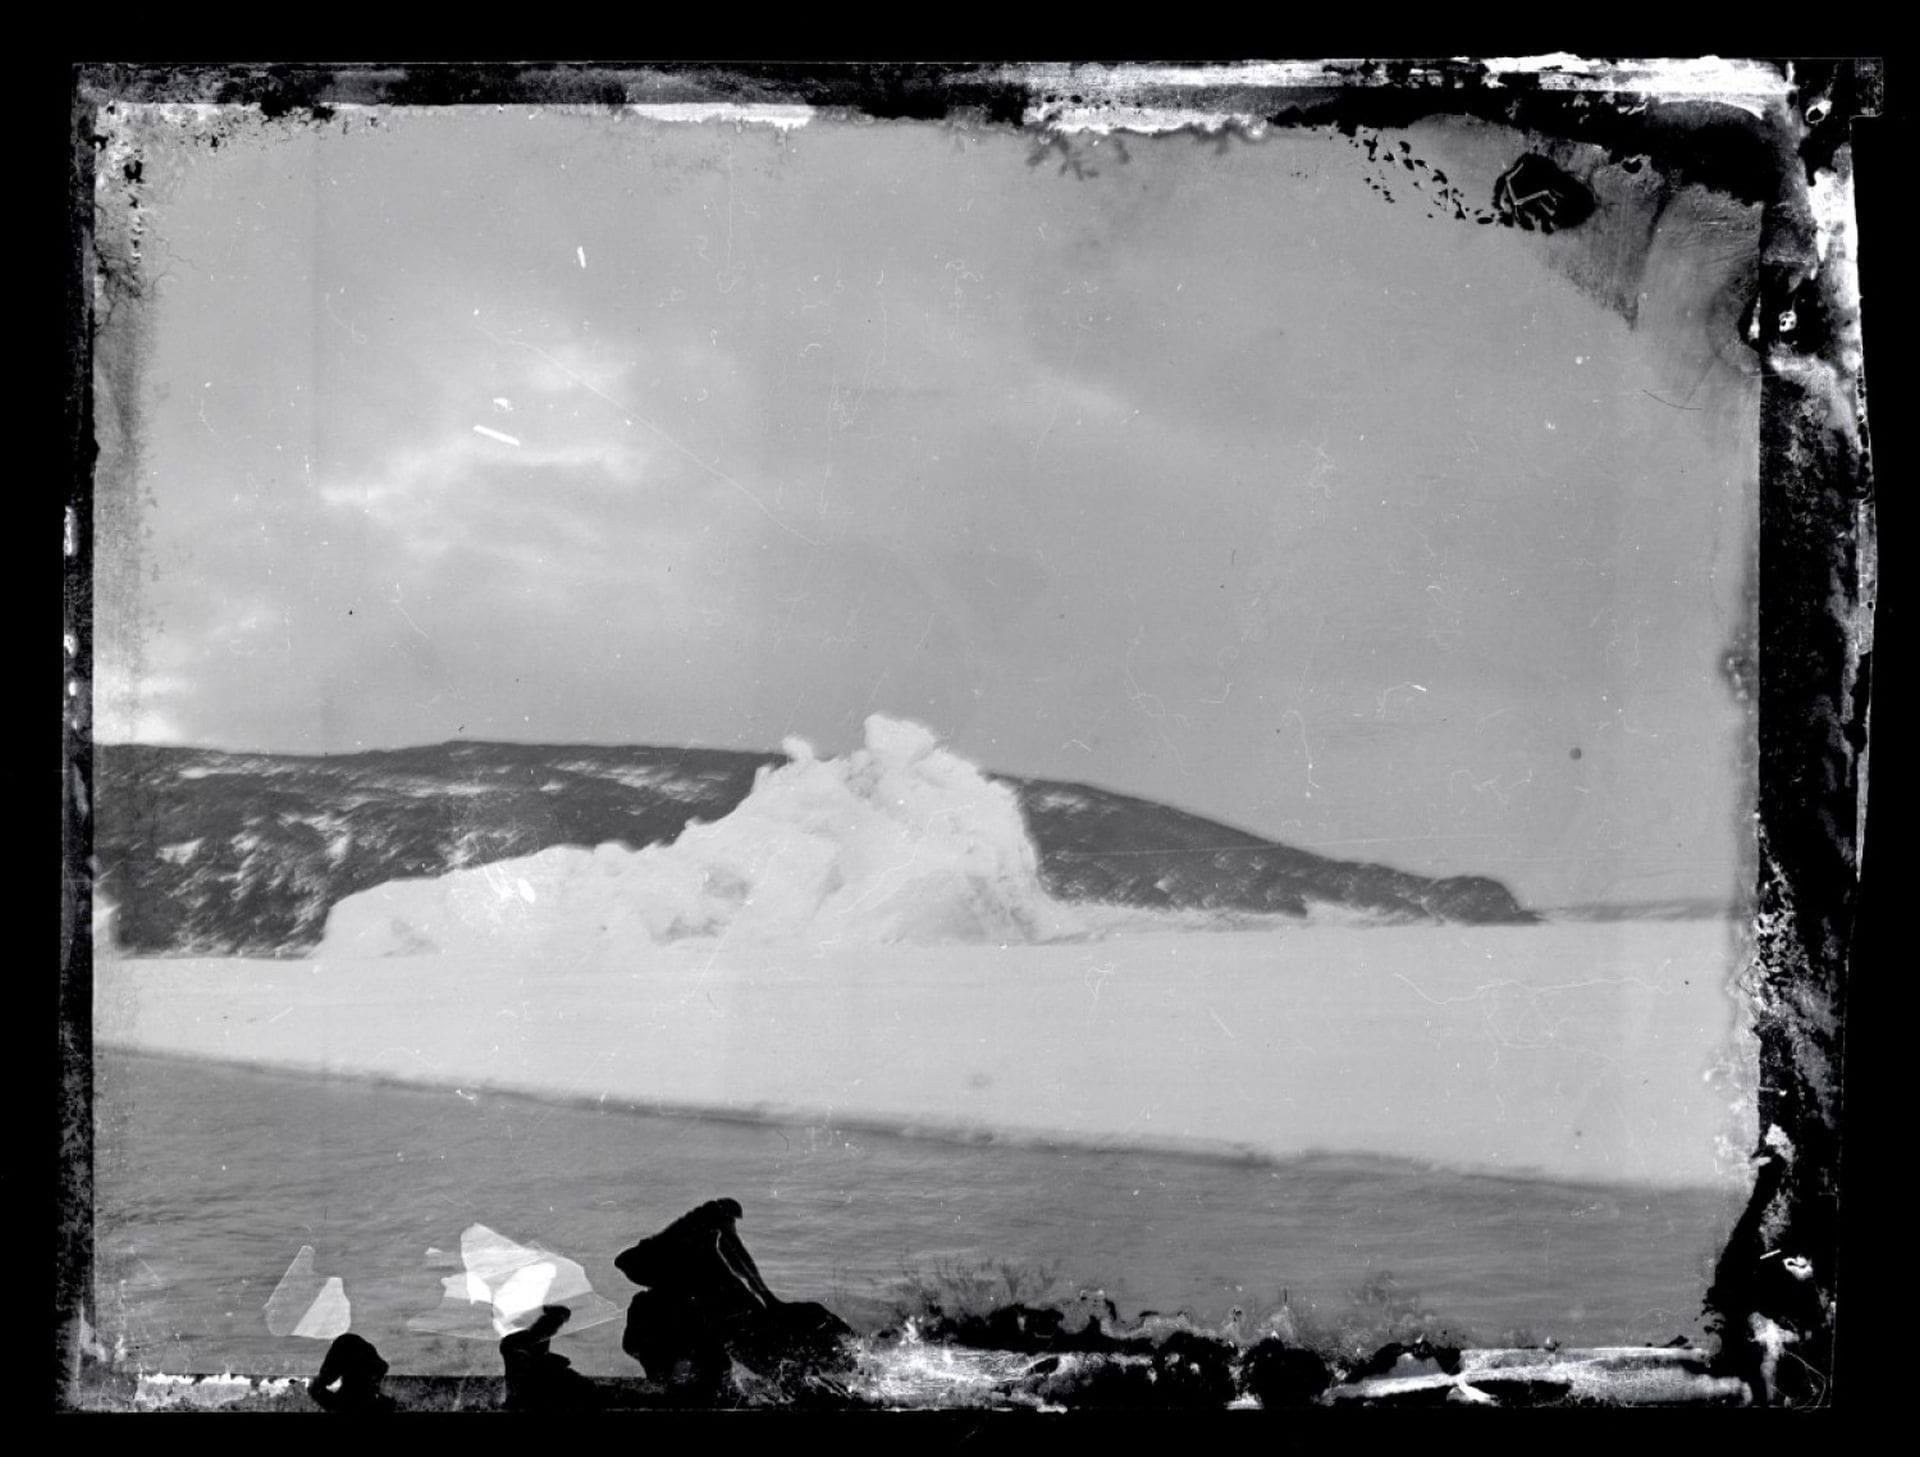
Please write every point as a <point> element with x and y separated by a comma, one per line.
<point>900,841</point>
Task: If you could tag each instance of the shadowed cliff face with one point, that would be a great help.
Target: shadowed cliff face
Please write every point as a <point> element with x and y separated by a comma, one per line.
<point>202,852</point>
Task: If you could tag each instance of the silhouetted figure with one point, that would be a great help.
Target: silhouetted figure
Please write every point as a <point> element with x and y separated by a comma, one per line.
<point>538,1378</point>
<point>350,1376</point>
<point>705,1307</point>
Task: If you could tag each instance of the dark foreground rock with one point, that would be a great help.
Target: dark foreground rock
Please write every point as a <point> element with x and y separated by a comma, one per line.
<point>1278,1375</point>
<point>1421,1358</point>
<point>706,1307</point>
<point>1028,1329</point>
<point>350,1377</point>
<point>538,1377</point>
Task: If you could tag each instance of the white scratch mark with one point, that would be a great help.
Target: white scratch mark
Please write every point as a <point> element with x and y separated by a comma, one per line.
<point>1102,973</point>
<point>1150,704</point>
<point>491,434</point>
<point>1386,694</point>
<point>590,388</point>
<point>334,314</point>
<point>401,609</point>
<point>1059,396</point>
<point>581,254</point>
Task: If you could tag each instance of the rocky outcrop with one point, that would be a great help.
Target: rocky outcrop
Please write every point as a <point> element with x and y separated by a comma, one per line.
<point>705,1307</point>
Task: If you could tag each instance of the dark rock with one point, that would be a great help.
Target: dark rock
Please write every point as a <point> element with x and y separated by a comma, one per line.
<point>1535,193</point>
<point>1192,1370</point>
<point>1016,1327</point>
<point>1445,1355</point>
<point>802,1334</point>
<point>1094,1335</point>
<point>706,1306</point>
<point>1281,1375</point>
<point>1422,1358</point>
<point>1093,1381</point>
<point>1102,1381</point>
<point>349,1378</point>
<point>1185,1373</point>
<point>538,1379</point>
<point>1093,1338</point>
<point>1037,1330</point>
<point>672,1340</point>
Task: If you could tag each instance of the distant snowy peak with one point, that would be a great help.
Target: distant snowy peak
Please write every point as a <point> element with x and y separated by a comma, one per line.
<point>210,853</point>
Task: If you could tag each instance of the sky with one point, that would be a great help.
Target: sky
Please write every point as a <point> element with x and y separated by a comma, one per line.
<point>1201,472</point>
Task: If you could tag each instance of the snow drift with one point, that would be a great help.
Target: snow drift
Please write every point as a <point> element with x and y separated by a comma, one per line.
<point>900,841</point>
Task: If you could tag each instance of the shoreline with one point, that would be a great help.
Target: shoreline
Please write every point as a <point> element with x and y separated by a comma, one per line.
<point>930,1131</point>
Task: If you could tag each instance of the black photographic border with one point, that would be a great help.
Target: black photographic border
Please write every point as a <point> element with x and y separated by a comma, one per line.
<point>1816,593</point>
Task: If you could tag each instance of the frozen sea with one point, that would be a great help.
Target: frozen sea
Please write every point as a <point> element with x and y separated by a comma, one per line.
<point>1524,1130</point>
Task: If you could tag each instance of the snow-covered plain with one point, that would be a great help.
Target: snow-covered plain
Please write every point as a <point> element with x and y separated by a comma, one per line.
<point>1603,1052</point>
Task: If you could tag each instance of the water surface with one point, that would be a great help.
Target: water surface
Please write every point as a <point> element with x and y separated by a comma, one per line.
<point>210,1178</point>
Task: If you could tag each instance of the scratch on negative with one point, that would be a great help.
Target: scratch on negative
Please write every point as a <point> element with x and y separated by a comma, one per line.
<point>399,608</point>
<point>1059,397</point>
<point>626,411</point>
<point>1696,409</point>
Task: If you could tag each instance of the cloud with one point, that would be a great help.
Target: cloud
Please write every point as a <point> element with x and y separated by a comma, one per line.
<point>426,499</point>
<point>1189,463</point>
